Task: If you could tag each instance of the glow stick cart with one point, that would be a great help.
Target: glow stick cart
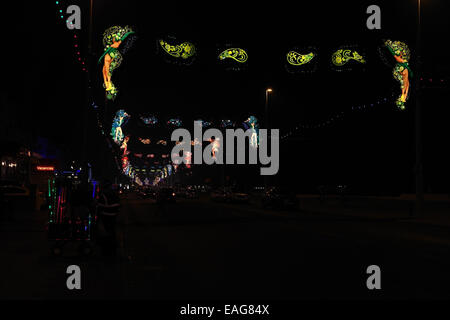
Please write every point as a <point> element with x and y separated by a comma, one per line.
<point>72,214</point>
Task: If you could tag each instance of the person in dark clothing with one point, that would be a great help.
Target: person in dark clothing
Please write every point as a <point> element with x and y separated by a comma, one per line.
<point>108,208</point>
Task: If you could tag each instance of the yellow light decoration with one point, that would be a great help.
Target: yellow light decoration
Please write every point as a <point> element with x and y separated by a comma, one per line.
<point>236,54</point>
<point>401,71</point>
<point>112,58</point>
<point>297,59</point>
<point>184,50</point>
<point>342,56</point>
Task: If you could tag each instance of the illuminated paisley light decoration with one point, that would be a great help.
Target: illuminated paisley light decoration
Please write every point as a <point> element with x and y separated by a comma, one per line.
<point>149,120</point>
<point>162,142</point>
<point>145,141</point>
<point>232,57</point>
<point>237,54</point>
<point>184,50</point>
<point>401,71</point>
<point>112,58</point>
<point>116,131</point>
<point>205,124</point>
<point>226,123</point>
<point>297,59</point>
<point>343,56</point>
<point>302,60</point>
<point>176,122</point>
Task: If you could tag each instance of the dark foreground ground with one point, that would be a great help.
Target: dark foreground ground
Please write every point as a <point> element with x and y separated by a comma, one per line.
<point>198,249</point>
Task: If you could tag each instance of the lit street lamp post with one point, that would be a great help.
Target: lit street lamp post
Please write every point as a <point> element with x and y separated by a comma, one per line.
<point>267,127</point>
<point>418,122</point>
<point>269,90</point>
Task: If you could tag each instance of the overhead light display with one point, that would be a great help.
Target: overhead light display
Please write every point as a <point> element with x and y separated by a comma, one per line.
<point>149,120</point>
<point>237,54</point>
<point>205,124</point>
<point>116,131</point>
<point>184,50</point>
<point>301,60</point>
<point>232,57</point>
<point>176,122</point>
<point>162,142</point>
<point>401,71</point>
<point>182,53</point>
<point>347,58</point>
<point>226,123</point>
<point>215,147</point>
<point>145,141</point>
<point>252,124</point>
<point>297,59</point>
<point>112,58</point>
<point>124,145</point>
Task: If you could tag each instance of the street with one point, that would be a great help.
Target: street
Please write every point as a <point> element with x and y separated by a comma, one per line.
<point>199,249</point>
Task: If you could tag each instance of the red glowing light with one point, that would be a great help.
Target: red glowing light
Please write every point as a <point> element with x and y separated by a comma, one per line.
<point>42,168</point>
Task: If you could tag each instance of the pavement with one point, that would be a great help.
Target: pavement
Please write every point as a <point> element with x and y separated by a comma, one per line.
<point>199,249</point>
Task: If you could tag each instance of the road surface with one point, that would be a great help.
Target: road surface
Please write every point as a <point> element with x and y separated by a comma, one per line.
<point>199,249</point>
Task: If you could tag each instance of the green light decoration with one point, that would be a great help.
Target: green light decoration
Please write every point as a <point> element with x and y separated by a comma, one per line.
<point>184,50</point>
<point>237,54</point>
<point>112,58</point>
<point>296,59</point>
<point>401,71</point>
<point>343,56</point>
<point>301,59</point>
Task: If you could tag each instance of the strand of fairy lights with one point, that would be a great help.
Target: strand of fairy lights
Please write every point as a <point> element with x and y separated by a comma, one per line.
<point>76,37</point>
<point>332,118</point>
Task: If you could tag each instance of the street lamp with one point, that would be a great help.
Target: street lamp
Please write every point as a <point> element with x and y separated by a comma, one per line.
<point>418,121</point>
<point>268,90</point>
<point>267,125</point>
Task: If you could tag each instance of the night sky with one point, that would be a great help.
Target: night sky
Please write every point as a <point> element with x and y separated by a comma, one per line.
<point>371,150</point>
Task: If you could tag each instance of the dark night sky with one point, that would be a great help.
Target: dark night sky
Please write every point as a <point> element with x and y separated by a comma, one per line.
<point>46,82</point>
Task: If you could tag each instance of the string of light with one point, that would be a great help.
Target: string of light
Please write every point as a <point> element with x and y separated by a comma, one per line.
<point>333,118</point>
<point>81,61</point>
